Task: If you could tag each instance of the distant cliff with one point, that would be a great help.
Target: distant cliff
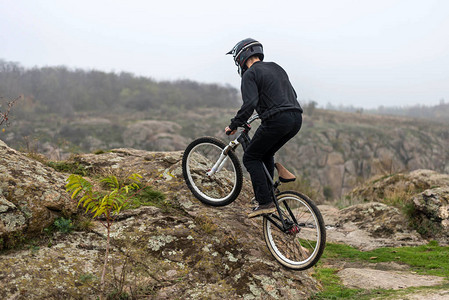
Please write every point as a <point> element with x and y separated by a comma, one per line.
<point>337,150</point>
<point>334,151</point>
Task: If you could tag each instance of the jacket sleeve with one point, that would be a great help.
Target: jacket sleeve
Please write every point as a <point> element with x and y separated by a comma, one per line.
<point>250,96</point>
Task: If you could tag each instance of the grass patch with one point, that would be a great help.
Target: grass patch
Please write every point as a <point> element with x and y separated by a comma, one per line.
<point>206,224</point>
<point>64,225</point>
<point>333,288</point>
<point>66,167</point>
<point>37,157</point>
<point>100,151</point>
<point>430,259</point>
<point>87,277</point>
<point>402,199</point>
<point>148,197</point>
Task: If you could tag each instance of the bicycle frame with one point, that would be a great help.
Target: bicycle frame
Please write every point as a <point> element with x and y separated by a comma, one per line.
<point>243,139</point>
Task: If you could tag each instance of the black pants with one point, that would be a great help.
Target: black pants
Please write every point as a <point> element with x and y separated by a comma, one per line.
<point>271,135</point>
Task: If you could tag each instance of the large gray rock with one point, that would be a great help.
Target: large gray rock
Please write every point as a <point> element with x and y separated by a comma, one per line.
<point>365,278</point>
<point>183,249</point>
<point>369,226</point>
<point>432,207</point>
<point>423,196</point>
<point>31,194</point>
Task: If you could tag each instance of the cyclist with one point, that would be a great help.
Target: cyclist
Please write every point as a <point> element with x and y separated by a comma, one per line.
<point>266,88</point>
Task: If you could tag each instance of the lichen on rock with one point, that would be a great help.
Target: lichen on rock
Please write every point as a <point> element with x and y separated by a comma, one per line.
<point>32,195</point>
<point>169,252</point>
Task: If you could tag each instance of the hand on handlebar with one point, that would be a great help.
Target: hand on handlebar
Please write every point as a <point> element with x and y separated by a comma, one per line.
<point>228,131</point>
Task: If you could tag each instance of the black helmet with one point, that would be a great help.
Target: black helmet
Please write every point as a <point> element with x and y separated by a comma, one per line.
<point>244,50</point>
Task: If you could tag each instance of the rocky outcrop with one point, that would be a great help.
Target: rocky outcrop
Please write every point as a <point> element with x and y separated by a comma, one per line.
<point>431,211</point>
<point>423,196</point>
<point>378,219</point>
<point>31,195</point>
<point>434,203</point>
<point>399,185</point>
<point>369,226</point>
<point>154,135</point>
<point>182,249</point>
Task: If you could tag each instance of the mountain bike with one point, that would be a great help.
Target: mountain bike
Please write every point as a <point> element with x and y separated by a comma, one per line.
<point>295,234</point>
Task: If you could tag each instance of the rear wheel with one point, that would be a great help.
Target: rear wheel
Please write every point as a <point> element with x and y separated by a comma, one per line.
<point>302,245</point>
<point>223,186</point>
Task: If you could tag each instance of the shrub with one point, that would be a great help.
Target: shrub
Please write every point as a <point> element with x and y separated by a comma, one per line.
<point>103,204</point>
<point>64,225</point>
<point>106,202</point>
<point>67,167</point>
<point>148,196</point>
<point>328,193</point>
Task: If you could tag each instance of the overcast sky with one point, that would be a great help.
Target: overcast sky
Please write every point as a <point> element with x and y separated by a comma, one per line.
<point>361,53</point>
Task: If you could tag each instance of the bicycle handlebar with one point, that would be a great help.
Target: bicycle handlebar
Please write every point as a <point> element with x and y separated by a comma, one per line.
<point>252,119</point>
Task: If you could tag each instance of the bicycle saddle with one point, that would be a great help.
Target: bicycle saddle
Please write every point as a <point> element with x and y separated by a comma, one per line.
<point>284,174</point>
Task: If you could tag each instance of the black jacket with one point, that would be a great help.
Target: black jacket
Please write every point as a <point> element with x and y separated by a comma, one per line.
<point>267,89</point>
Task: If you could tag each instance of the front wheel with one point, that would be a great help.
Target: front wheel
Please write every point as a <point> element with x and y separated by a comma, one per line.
<point>301,244</point>
<point>223,186</point>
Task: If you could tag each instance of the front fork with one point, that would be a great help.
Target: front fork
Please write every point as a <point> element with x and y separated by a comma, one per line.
<point>223,157</point>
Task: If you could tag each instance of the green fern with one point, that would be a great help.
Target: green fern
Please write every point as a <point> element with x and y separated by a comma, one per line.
<point>98,203</point>
<point>107,204</point>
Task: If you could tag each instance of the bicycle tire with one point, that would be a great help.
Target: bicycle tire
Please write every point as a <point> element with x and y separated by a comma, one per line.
<point>224,186</point>
<point>308,243</point>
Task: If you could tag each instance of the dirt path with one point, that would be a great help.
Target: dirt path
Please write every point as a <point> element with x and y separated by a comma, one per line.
<point>363,278</point>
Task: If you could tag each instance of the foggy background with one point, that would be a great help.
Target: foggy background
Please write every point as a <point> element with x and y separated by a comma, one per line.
<point>360,53</point>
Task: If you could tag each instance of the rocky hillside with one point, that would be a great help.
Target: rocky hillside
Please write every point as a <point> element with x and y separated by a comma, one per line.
<point>404,209</point>
<point>32,196</point>
<point>182,249</point>
<point>185,249</point>
<point>422,196</point>
<point>334,150</point>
